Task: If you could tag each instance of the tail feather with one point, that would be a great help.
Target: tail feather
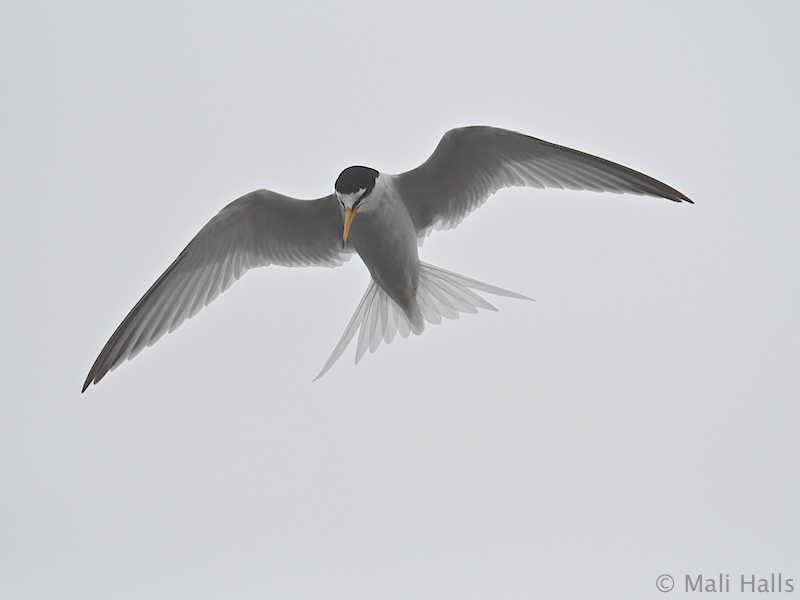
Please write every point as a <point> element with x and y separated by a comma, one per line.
<point>440,294</point>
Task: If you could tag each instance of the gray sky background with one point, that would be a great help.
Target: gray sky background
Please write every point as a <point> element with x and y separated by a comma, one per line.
<point>640,418</point>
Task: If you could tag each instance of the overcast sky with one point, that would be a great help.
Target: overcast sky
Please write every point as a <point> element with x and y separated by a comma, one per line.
<point>639,419</point>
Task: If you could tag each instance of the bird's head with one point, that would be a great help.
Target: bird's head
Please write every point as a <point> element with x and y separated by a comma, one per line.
<point>353,188</point>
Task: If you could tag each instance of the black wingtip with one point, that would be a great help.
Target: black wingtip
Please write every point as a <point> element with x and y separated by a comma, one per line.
<point>678,197</point>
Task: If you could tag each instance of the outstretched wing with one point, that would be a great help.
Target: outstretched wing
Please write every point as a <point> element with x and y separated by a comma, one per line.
<point>472,163</point>
<point>258,229</point>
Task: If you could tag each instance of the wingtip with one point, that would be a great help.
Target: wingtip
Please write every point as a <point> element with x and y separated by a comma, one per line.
<point>90,379</point>
<point>680,198</point>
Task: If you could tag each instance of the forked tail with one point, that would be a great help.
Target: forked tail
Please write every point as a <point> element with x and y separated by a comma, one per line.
<point>440,294</point>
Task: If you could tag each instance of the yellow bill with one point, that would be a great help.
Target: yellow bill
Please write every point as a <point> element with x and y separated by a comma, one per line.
<point>349,215</point>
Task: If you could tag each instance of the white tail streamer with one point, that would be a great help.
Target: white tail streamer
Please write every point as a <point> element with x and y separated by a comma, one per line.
<point>440,294</point>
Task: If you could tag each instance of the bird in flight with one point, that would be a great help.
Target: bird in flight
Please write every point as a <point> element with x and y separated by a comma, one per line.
<point>395,213</point>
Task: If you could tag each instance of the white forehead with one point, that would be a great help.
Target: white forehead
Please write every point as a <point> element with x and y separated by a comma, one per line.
<point>349,199</point>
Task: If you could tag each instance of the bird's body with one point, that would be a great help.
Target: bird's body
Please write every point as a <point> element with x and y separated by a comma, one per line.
<point>394,213</point>
<point>386,241</point>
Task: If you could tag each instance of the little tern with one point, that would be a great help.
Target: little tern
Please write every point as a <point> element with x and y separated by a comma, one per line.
<point>395,212</point>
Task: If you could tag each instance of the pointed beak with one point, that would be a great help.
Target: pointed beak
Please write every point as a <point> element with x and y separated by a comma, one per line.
<point>349,215</point>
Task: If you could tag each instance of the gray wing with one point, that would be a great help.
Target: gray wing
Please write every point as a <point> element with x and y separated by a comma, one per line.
<point>472,163</point>
<point>258,229</point>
